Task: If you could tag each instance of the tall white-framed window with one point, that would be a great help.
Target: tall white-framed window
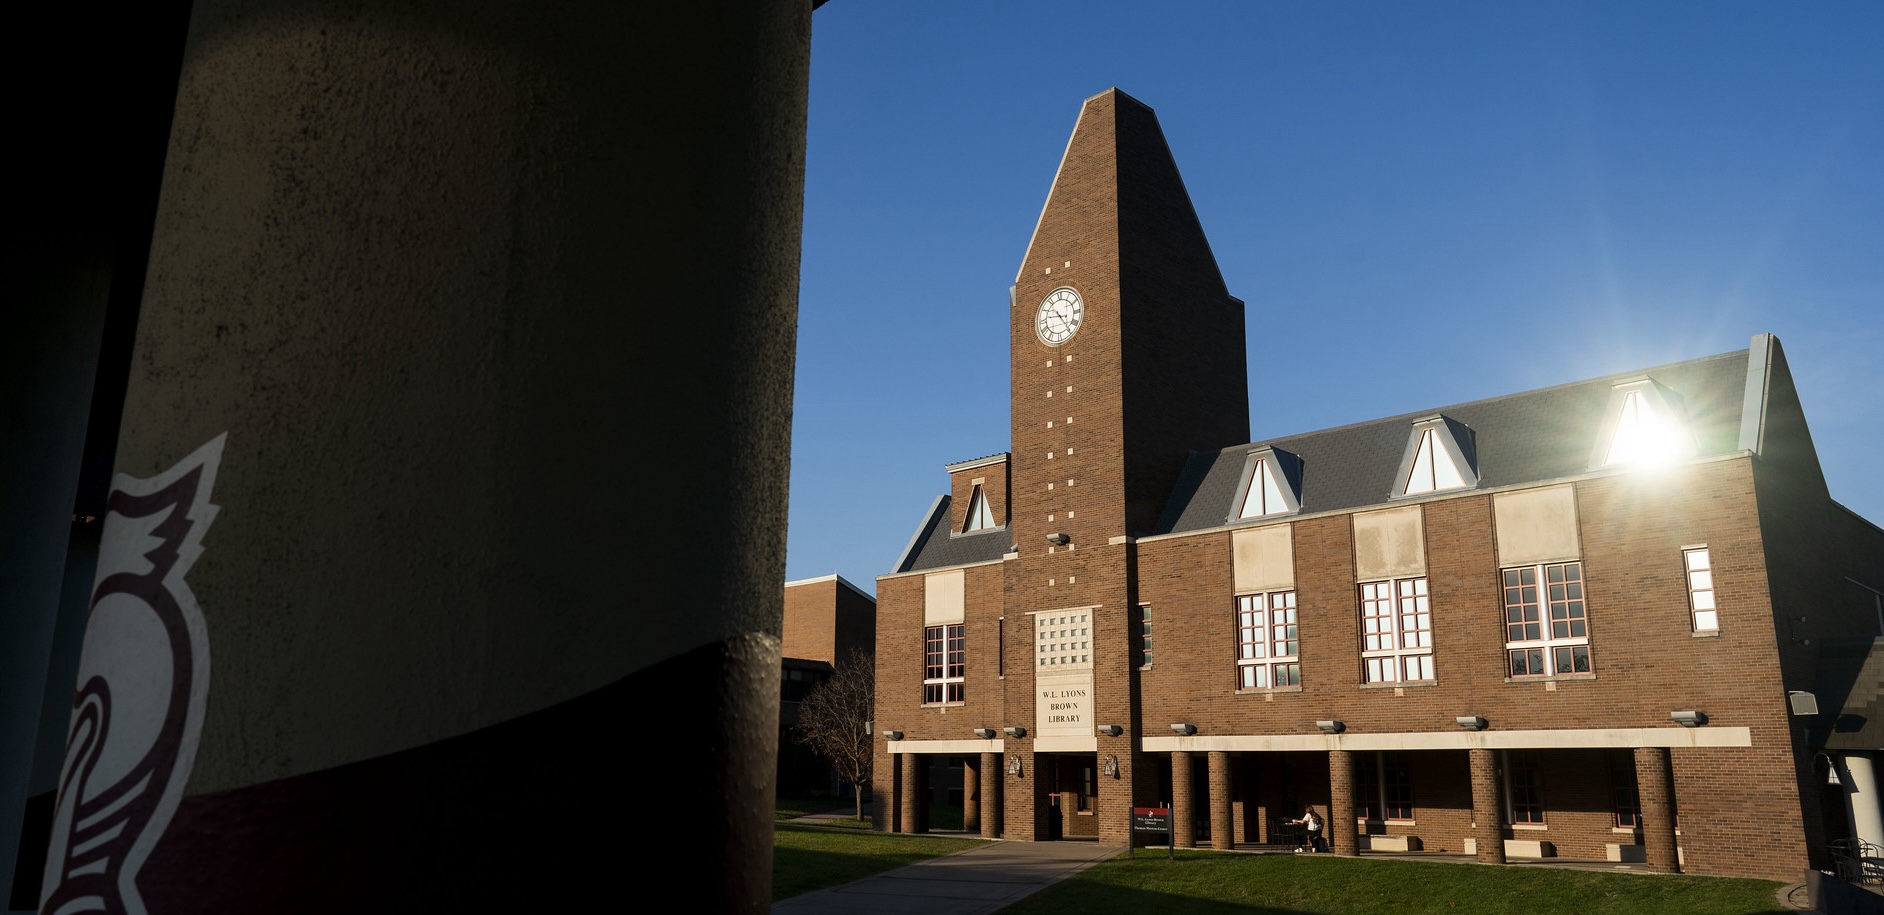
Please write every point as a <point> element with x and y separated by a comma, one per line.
<point>1396,631</point>
<point>1267,641</point>
<point>944,664</point>
<point>1546,622</point>
<point>1699,567</point>
<point>1144,635</point>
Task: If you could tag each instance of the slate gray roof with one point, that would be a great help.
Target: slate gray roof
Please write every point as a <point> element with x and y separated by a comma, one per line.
<point>1526,438</point>
<point>934,547</point>
<point>1530,437</point>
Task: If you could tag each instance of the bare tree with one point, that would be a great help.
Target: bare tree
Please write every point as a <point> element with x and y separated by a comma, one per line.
<point>834,720</point>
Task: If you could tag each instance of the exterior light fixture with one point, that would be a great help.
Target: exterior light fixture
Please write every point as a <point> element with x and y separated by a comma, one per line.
<point>1184,729</point>
<point>985,733</point>
<point>1471,722</point>
<point>893,735</point>
<point>1015,732</point>
<point>1331,727</point>
<point>1111,730</point>
<point>1059,539</point>
<point>1831,768</point>
<point>1802,702</point>
<point>1689,719</point>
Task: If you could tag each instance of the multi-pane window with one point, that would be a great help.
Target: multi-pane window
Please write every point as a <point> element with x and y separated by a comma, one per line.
<point>1623,788</point>
<point>1527,793</point>
<point>1546,626</point>
<point>1396,631</point>
<point>1266,640</point>
<point>1700,568</point>
<point>943,648</point>
<point>1367,786</point>
<point>1383,787</point>
<point>1396,786</point>
<point>1144,635</point>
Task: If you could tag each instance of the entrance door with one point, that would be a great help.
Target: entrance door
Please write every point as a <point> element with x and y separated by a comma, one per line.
<point>1074,814</point>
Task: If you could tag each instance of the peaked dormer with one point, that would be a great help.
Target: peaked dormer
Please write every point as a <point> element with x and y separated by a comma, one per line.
<point>978,495</point>
<point>1441,455</point>
<point>1272,485</point>
<point>1643,424</point>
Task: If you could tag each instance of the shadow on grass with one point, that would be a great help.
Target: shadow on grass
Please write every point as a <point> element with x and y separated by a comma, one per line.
<point>1220,884</point>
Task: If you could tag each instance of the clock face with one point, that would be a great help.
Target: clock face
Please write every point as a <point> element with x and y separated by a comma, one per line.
<point>1058,318</point>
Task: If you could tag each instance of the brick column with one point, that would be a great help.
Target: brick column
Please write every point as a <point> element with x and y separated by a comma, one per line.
<point>971,793</point>
<point>1221,834</point>
<point>908,791</point>
<point>1655,795</point>
<point>1183,831</point>
<point>1340,827</point>
<point>1486,812</point>
<point>990,796</point>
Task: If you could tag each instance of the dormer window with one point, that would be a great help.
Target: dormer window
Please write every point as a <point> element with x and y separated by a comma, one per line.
<point>980,517</point>
<point>1441,455</point>
<point>1272,485</point>
<point>1643,425</point>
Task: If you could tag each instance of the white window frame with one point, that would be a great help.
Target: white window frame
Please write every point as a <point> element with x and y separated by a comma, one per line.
<point>1697,566</point>
<point>1271,479</point>
<point>1397,631</point>
<point>980,515</point>
<point>1268,641</point>
<point>948,678</point>
<point>1436,442</point>
<point>1574,604</point>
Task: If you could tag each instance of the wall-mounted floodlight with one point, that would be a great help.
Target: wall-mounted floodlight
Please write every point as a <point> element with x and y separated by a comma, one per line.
<point>1111,730</point>
<point>1015,732</point>
<point>985,733</point>
<point>892,735</point>
<point>1059,539</point>
<point>1331,727</point>
<point>1689,719</point>
<point>1184,729</point>
<point>1471,722</point>
<point>1802,702</point>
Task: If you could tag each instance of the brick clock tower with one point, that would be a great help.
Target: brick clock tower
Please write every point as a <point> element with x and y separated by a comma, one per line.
<point>1128,352</point>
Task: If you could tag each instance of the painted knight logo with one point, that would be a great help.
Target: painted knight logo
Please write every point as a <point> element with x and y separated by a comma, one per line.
<point>142,684</point>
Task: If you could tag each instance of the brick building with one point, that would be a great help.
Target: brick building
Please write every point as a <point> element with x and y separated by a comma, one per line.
<point>827,622</point>
<point>1590,621</point>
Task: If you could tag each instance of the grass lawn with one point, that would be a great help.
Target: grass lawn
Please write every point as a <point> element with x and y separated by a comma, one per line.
<point>1221,883</point>
<point>806,858</point>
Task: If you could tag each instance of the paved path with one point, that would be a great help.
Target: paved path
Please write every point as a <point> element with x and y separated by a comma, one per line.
<point>978,881</point>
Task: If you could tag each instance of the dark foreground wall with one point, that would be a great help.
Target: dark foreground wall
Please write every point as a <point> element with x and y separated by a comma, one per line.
<point>463,363</point>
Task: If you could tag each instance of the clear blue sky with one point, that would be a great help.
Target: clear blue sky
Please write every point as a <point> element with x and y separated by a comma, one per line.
<point>1421,204</point>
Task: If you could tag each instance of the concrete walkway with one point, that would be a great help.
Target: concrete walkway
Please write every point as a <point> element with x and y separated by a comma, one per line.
<point>977,881</point>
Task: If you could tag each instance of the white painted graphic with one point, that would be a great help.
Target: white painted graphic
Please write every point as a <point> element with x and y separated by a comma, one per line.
<point>142,685</point>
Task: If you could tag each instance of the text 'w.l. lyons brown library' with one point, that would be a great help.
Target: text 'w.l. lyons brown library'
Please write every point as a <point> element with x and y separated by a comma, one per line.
<point>1617,619</point>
